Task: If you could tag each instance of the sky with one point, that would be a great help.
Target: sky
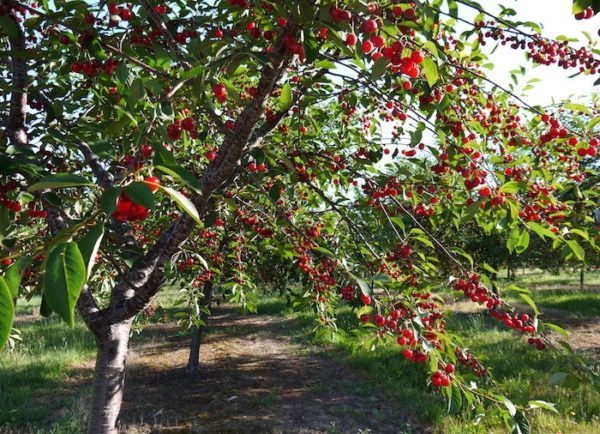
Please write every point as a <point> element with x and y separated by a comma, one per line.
<point>556,18</point>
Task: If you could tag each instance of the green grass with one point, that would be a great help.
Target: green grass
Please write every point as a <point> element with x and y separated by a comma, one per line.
<point>562,292</point>
<point>523,370</point>
<point>49,362</point>
<point>46,363</point>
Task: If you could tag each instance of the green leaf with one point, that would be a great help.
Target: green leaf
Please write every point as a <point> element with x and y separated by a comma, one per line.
<point>576,249</point>
<point>379,68</point>
<point>137,90</point>
<point>64,278</point>
<point>140,193</point>
<point>60,180</point>
<point>89,246</point>
<point>513,239</point>
<point>108,200</point>
<point>431,72</point>
<point>523,242</point>
<point>14,274</point>
<point>520,423</point>
<point>7,312</point>
<point>530,302</point>
<point>556,328</point>
<point>184,203</point>
<point>543,404</point>
<point>512,187</point>
<point>364,288</point>
<point>542,231</point>
<point>181,174</point>
<point>285,98</point>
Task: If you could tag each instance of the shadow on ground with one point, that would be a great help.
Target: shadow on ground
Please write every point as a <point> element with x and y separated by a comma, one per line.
<point>252,379</point>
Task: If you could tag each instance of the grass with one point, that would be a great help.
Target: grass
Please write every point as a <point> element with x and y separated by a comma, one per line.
<point>45,363</point>
<point>562,292</point>
<point>523,371</point>
<point>55,361</point>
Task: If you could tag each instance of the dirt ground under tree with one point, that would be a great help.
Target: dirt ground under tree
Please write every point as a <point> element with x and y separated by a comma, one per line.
<point>253,379</point>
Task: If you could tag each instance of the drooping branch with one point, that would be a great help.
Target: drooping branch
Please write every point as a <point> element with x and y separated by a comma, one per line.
<point>17,117</point>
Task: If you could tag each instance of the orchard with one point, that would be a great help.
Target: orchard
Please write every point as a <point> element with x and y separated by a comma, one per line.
<point>349,144</point>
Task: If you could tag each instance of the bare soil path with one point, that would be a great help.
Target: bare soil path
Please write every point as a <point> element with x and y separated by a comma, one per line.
<point>253,379</point>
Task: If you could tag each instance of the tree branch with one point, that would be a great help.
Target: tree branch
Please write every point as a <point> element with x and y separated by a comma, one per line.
<point>15,125</point>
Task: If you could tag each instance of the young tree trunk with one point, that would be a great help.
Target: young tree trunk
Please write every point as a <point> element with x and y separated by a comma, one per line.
<point>194,359</point>
<point>581,279</point>
<point>109,379</point>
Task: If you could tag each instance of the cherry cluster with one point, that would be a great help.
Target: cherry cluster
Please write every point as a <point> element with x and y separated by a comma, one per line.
<point>93,67</point>
<point>542,50</point>
<point>5,201</point>
<point>175,130</point>
<point>128,210</point>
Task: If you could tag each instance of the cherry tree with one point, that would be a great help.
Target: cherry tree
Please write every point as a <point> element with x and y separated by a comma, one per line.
<point>340,136</point>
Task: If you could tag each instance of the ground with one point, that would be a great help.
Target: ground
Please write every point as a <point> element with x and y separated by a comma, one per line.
<point>253,379</point>
<point>267,373</point>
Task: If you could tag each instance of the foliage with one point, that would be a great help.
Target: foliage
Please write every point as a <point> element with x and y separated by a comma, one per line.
<point>234,131</point>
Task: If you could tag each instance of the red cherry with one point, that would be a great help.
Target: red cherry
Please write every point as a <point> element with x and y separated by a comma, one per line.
<point>366,300</point>
<point>64,39</point>
<point>188,124</point>
<point>153,182</point>
<point>113,8</point>
<point>218,33</point>
<point>485,191</point>
<point>211,155</point>
<point>367,47</point>
<point>282,21</point>
<point>126,14</point>
<point>370,26</point>
<point>351,39</point>
<point>220,90</point>
<point>146,151</point>
<point>450,368</point>
<point>417,56</point>
<point>174,131</point>
<point>7,261</point>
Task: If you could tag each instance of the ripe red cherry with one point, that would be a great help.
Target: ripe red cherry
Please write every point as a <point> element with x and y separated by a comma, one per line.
<point>126,14</point>
<point>450,368</point>
<point>351,39</point>
<point>146,151</point>
<point>261,167</point>
<point>367,47</point>
<point>366,300</point>
<point>417,56</point>
<point>64,39</point>
<point>174,131</point>
<point>370,26</point>
<point>188,124</point>
<point>218,33</point>
<point>220,92</point>
<point>7,261</point>
<point>485,191</point>
<point>211,155</point>
<point>113,8</point>
<point>282,21</point>
<point>153,182</point>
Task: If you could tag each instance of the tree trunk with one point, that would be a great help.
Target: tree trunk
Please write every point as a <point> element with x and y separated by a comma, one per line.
<point>581,279</point>
<point>194,359</point>
<point>109,379</point>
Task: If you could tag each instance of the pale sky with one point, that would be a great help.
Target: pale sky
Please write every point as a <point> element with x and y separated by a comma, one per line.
<point>556,18</point>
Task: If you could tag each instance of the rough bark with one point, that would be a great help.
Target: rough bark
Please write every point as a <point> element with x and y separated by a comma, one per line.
<point>109,379</point>
<point>15,123</point>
